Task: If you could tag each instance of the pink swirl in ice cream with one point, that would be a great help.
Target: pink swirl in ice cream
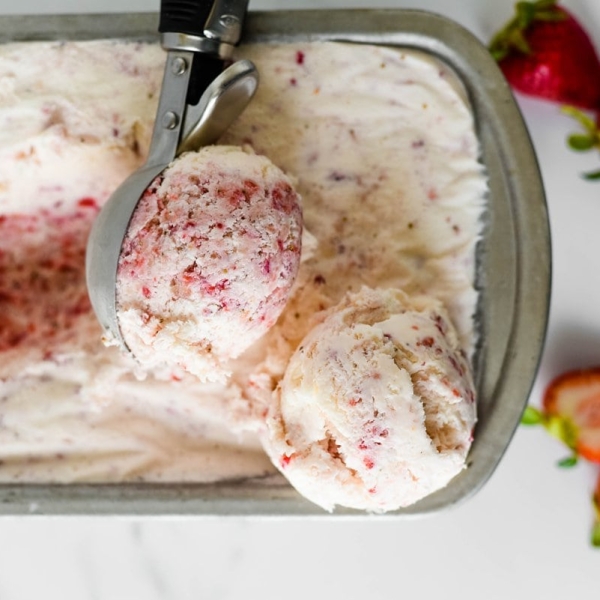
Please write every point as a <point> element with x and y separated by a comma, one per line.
<point>377,406</point>
<point>208,262</point>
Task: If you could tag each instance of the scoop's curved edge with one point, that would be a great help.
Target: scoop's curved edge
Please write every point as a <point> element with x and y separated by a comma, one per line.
<point>104,247</point>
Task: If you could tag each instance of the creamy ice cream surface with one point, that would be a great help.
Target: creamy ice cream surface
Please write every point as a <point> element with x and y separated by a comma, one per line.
<point>208,261</point>
<point>377,406</point>
<point>386,160</point>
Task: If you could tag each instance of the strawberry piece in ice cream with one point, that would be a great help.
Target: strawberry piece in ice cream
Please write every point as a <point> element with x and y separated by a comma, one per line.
<point>377,406</point>
<point>208,262</point>
<point>43,256</point>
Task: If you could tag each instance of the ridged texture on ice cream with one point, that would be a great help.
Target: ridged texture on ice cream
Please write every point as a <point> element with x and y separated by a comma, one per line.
<point>377,407</point>
<point>208,262</point>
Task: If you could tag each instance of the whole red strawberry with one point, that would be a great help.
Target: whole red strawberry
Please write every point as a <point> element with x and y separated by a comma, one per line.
<point>544,52</point>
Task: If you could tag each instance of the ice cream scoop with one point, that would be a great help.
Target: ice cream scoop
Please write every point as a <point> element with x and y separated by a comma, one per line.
<point>191,113</point>
<point>376,409</point>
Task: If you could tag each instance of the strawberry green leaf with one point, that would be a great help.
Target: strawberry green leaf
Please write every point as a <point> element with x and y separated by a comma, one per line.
<point>513,35</point>
<point>596,535</point>
<point>525,14</point>
<point>568,462</point>
<point>562,429</point>
<point>532,416</point>
<point>519,41</point>
<point>498,54</point>
<point>581,142</point>
<point>550,15</point>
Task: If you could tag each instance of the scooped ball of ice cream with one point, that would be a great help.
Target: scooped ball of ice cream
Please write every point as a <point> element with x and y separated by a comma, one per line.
<point>377,406</point>
<point>208,261</point>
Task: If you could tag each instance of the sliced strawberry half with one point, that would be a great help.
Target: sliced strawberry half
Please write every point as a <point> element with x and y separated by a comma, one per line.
<point>574,400</point>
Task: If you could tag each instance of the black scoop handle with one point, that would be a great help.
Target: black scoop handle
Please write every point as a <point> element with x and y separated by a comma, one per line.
<point>184,16</point>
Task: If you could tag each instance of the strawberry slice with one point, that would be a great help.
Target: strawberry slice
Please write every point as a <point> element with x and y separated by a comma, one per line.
<point>571,413</point>
<point>545,52</point>
<point>572,407</point>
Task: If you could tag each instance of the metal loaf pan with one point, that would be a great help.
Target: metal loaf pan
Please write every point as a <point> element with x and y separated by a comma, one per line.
<point>513,262</point>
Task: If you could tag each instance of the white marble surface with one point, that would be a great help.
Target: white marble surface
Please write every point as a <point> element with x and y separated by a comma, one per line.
<point>523,536</point>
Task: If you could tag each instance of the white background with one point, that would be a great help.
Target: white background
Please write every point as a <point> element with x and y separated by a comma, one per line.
<point>525,535</point>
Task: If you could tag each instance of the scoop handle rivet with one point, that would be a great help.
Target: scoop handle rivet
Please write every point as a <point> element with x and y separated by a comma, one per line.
<point>170,120</point>
<point>178,66</point>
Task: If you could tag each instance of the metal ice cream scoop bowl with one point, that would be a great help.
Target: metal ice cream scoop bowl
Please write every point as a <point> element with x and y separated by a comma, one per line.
<point>198,102</point>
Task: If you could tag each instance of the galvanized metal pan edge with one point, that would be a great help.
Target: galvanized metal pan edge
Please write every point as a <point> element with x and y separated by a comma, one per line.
<point>513,274</point>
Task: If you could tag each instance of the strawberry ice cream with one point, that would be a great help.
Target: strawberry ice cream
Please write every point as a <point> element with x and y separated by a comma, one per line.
<point>386,159</point>
<point>208,261</point>
<point>377,406</point>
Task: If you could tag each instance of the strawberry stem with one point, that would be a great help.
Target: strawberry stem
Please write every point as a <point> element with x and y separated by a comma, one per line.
<point>595,538</point>
<point>562,429</point>
<point>512,35</point>
<point>582,142</point>
<point>583,119</point>
<point>568,462</point>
